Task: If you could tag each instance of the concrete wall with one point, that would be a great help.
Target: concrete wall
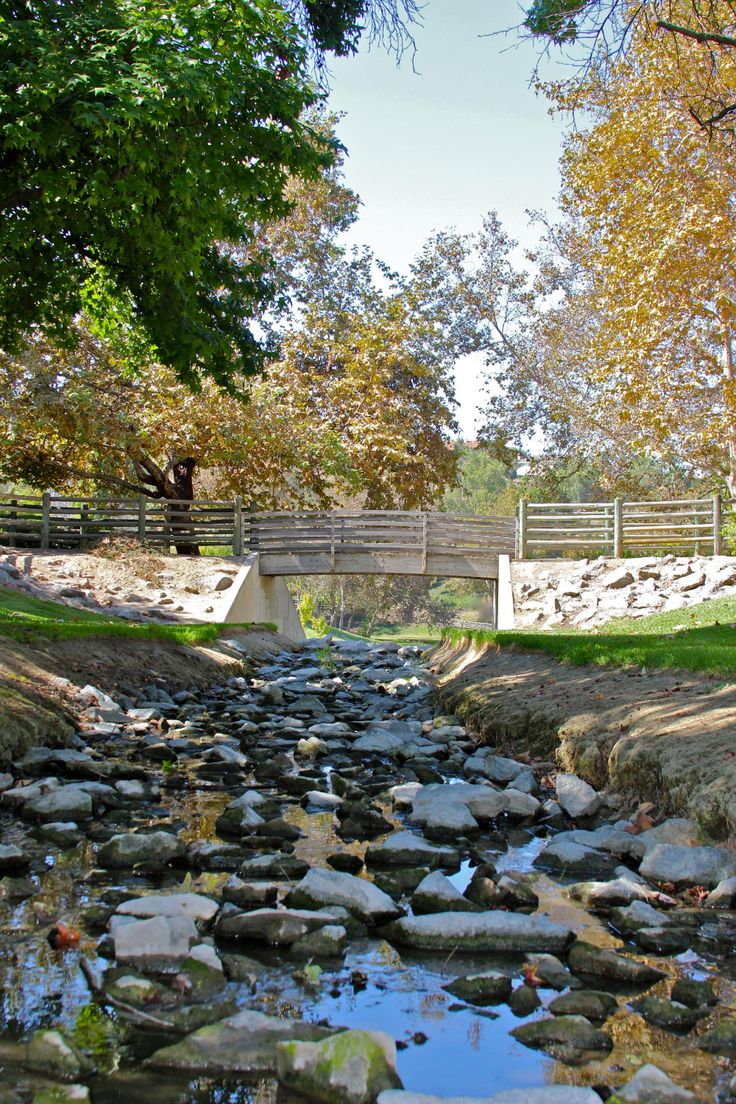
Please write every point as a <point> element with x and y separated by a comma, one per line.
<point>256,597</point>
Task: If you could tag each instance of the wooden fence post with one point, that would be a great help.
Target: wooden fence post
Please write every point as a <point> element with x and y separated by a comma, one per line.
<point>618,528</point>
<point>142,518</point>
<point>83,525</point>
<point>521,528</point>
<point>238,526</point>
<point>424,542</point>
<point>45,521</point>
<point>332,541</point>
<point>717,539</point>
<point>253,529</point>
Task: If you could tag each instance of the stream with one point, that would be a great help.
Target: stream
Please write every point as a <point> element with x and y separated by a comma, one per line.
<point>288,734</point>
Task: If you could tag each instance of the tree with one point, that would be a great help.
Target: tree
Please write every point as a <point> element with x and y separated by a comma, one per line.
<point>601,31</point>
<point>628,353</point>
<point>139,137</point>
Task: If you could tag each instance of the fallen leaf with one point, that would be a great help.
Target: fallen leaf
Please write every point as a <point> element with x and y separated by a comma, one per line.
<point>529,973</point>
<point>642,822</point>
<point>61,937</point>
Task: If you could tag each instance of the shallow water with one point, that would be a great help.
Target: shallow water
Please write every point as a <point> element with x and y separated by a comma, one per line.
<point>445,1048</point>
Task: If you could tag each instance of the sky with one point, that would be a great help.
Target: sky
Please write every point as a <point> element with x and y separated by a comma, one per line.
<point>442,145</point>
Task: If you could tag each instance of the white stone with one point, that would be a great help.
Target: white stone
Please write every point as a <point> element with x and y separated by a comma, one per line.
<point>577,798</point>
<point>193,905</point>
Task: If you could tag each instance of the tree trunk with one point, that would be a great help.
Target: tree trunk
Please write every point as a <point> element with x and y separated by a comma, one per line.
<point>730,477</point>
<point>183,488</point>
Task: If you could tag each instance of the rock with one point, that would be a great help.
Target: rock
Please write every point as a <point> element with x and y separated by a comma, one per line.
<point>693,993</point>
<point>244,1043</point>
<point>650,1085</point>
<point>674,830</point>
<point>352,1067</point>
<point>688,866</point>
<point>622,890</point>
<point>502,770</point>
<point>487,988</point>
<point>591,1003</point>
<point>670,940</point>
<point>50,1052</point>
<point>360,897</point>
<point>618,579</point>
<point>574,858</point>
<point>281,867</point>
<point>129,848</point>
<point>316,799</point>
<point>723,896</point>
<point>570,1039</point>
<point>158,944</point>
<point>278,927</point>
<point>346,862</point>
<point>13,860</point>
<point>505,932</point>
<point>436,893</point>
<point>720,1040</point>
<point>598,962</point>
<point>60,1094</point>
<point>64,833</point>
<point>549,1094</point>
<point>576,797</point>
<point>524,1000</point>
<point>551,971</point>
<point>197,908</point>
<point>668,1014</point>
<point>249,895</point>
<point>407,849</point>
<point>639,914</point>
<point>327,942</point>
<point>360,821</point>
<point>64,803</point>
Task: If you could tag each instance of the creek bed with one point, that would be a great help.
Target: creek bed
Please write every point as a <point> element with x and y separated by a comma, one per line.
<point>446,1048</point>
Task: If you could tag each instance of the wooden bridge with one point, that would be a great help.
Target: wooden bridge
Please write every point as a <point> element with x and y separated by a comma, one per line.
<point>381,542</point>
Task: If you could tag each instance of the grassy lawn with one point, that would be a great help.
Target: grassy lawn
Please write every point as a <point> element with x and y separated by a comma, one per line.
<point>23,618</point>
<point>700,638</point>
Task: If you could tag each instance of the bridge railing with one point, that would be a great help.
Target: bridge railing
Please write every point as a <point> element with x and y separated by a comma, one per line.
<point>337,533</point>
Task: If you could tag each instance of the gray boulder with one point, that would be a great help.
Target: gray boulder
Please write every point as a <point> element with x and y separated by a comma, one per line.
<point>360,897</point>
<point>436,893</point>
<point>505,932</point>
<point>688,866</point>
<point>352,1067</point>
<point>50,1052</point>
<point>275,926</point>
<point>598,962</point>
<point>576,797</point>
<point>571,1039</point>
<point>158,944</point>
<point>244,1043</point>
<point>192,905</point>
<point>128,848</point>
<point>408,849</point>
<point>650,1085</point>
<point>64,803</point>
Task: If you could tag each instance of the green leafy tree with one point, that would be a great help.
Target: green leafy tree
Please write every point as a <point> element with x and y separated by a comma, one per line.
<point>136,136</point>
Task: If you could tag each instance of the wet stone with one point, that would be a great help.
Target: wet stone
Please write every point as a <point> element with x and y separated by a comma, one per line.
<point>486,988</point>
<point>570,1039</point>
<point>668,1014</point>
<point>693,993</point>
<point>588,960</point>
<point>361,898</point>
<point>594,1004</point>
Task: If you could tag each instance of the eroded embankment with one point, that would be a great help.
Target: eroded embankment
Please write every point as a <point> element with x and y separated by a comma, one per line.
<point>41,682</point>
<point>665,736</point>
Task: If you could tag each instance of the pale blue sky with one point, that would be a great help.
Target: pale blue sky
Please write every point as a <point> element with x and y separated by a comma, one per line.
<point>439,147</point>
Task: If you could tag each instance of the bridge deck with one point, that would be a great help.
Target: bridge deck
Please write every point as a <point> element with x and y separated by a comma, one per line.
<point>361,542</point>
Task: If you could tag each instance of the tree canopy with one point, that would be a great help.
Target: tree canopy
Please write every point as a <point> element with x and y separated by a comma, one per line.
<point>143,144</point>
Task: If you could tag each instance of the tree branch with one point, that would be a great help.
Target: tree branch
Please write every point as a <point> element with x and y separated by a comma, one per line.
<point>698,36</point>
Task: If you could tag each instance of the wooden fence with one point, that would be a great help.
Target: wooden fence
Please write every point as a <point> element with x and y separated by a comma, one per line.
<point>429,541</point>
<point>613,528</point>
<point>69,522</point>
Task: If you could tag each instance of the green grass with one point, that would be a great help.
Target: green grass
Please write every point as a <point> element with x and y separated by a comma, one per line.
<point>699,638</point>
<point>399,634</point>
<point>24,618</point>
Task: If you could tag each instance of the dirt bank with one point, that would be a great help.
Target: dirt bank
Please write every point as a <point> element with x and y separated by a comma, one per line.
<point>40,682</point>
<point>667,736</point>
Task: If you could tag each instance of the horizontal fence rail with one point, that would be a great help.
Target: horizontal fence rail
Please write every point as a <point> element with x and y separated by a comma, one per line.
<point>81,523</point>
<point>401,541</point>
<point>613,528</point>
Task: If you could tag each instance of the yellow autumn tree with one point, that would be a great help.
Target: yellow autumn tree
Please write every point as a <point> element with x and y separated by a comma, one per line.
<point>651,201</point>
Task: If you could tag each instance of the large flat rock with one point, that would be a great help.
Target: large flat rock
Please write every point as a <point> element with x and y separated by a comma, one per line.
<point>244,1043</point>
<point>509,932</point>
